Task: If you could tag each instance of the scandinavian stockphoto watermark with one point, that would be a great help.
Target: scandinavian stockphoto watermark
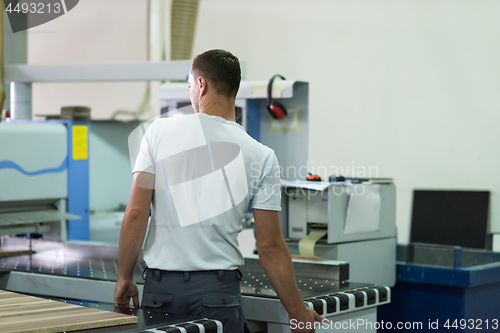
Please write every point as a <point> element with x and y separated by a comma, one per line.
<point>26,14</point>
<point>300,173</point>
<point>352,170</point>
<point>205,176</point>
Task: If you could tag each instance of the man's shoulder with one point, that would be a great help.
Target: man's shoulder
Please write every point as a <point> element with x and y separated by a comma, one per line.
<point>257,146</point>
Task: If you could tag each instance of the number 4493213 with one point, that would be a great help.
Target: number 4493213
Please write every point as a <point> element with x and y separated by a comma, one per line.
<point>35,8</point>
<point>477,324</point>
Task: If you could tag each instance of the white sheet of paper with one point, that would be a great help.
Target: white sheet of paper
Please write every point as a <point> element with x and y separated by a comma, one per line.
<point>363,210</point>
<point>318,186</point>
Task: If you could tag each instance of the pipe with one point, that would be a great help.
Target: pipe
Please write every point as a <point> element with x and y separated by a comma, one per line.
<point>183,25</point>
<point>152,29</point>
<point>2,84</point>
<point>20,101</point>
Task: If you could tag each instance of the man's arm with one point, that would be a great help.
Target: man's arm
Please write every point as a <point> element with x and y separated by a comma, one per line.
<point>277,262</point>
<point>134,226</point>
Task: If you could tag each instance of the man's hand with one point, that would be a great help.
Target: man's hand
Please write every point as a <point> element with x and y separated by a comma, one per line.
<point>303,322</point>
<point>124,291</point>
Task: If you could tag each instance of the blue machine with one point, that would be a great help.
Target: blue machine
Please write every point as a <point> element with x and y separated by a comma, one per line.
<point>44,176</point>
<point>78,178</point>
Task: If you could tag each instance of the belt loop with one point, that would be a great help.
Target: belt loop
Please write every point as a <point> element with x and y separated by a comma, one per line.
<point>158,275</point>
<point>186,276</point>
<point>220,274</point>
<point>240,275</point>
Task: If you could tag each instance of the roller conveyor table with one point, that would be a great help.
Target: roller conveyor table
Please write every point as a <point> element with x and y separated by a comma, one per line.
<point>89,273</point>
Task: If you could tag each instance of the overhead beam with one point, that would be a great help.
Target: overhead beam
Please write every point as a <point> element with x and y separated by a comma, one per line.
<point>140,71</point>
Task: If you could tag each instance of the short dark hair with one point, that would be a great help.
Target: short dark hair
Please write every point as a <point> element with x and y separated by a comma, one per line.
<point>221,69</point>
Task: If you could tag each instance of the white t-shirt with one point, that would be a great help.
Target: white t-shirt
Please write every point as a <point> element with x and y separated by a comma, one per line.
<point>207,171</point>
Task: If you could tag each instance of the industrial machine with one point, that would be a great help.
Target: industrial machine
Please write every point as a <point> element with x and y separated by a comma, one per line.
<point>342,286</point>
<point>348,226</point>
<point>353,222</point>
<point>324,287</point>
<point>44,179</point>
<point>359,219</point>
<point>53,173</point>
<point>69,271</point>
<point>75,271</point>
<point>44,182</point>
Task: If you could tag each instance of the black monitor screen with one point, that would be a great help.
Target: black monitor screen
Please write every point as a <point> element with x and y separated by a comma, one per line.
<point>457,218</point>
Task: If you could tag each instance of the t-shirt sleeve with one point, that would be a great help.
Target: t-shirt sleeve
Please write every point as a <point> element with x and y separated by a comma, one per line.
<point>268,196</point>
<point>145,161</point>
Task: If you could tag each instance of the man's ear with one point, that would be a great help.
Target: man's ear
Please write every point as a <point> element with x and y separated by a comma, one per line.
<point>203,85</point>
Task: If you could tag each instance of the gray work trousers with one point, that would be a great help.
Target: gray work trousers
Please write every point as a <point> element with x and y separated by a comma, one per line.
<point>208,294</point>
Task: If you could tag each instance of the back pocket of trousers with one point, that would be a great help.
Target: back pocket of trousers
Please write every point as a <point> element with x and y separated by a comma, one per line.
<point>219,300</point>
<point>224,307</point>
<point>158,301</point>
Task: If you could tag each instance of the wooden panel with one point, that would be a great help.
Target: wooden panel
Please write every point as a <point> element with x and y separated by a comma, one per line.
<point>6,253</point>
<point>22,313</point>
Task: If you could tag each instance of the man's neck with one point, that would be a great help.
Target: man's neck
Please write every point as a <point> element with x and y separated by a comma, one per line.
<point>220,107</point>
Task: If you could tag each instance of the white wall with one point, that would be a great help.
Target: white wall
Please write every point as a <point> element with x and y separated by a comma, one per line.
<point>95,31</point>
<point>410,87</point>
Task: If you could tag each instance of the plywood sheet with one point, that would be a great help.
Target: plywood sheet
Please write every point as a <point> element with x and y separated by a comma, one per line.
<point>6,253</point>
<point>22,313</point>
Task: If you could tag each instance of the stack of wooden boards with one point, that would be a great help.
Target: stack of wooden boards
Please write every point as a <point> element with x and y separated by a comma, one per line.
<point>22,313</point>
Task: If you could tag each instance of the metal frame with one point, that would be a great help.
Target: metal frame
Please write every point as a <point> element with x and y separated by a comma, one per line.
<point>22,77</point>
<point>255,308</point>
<point>60,286</point>
<point>139,71</point>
